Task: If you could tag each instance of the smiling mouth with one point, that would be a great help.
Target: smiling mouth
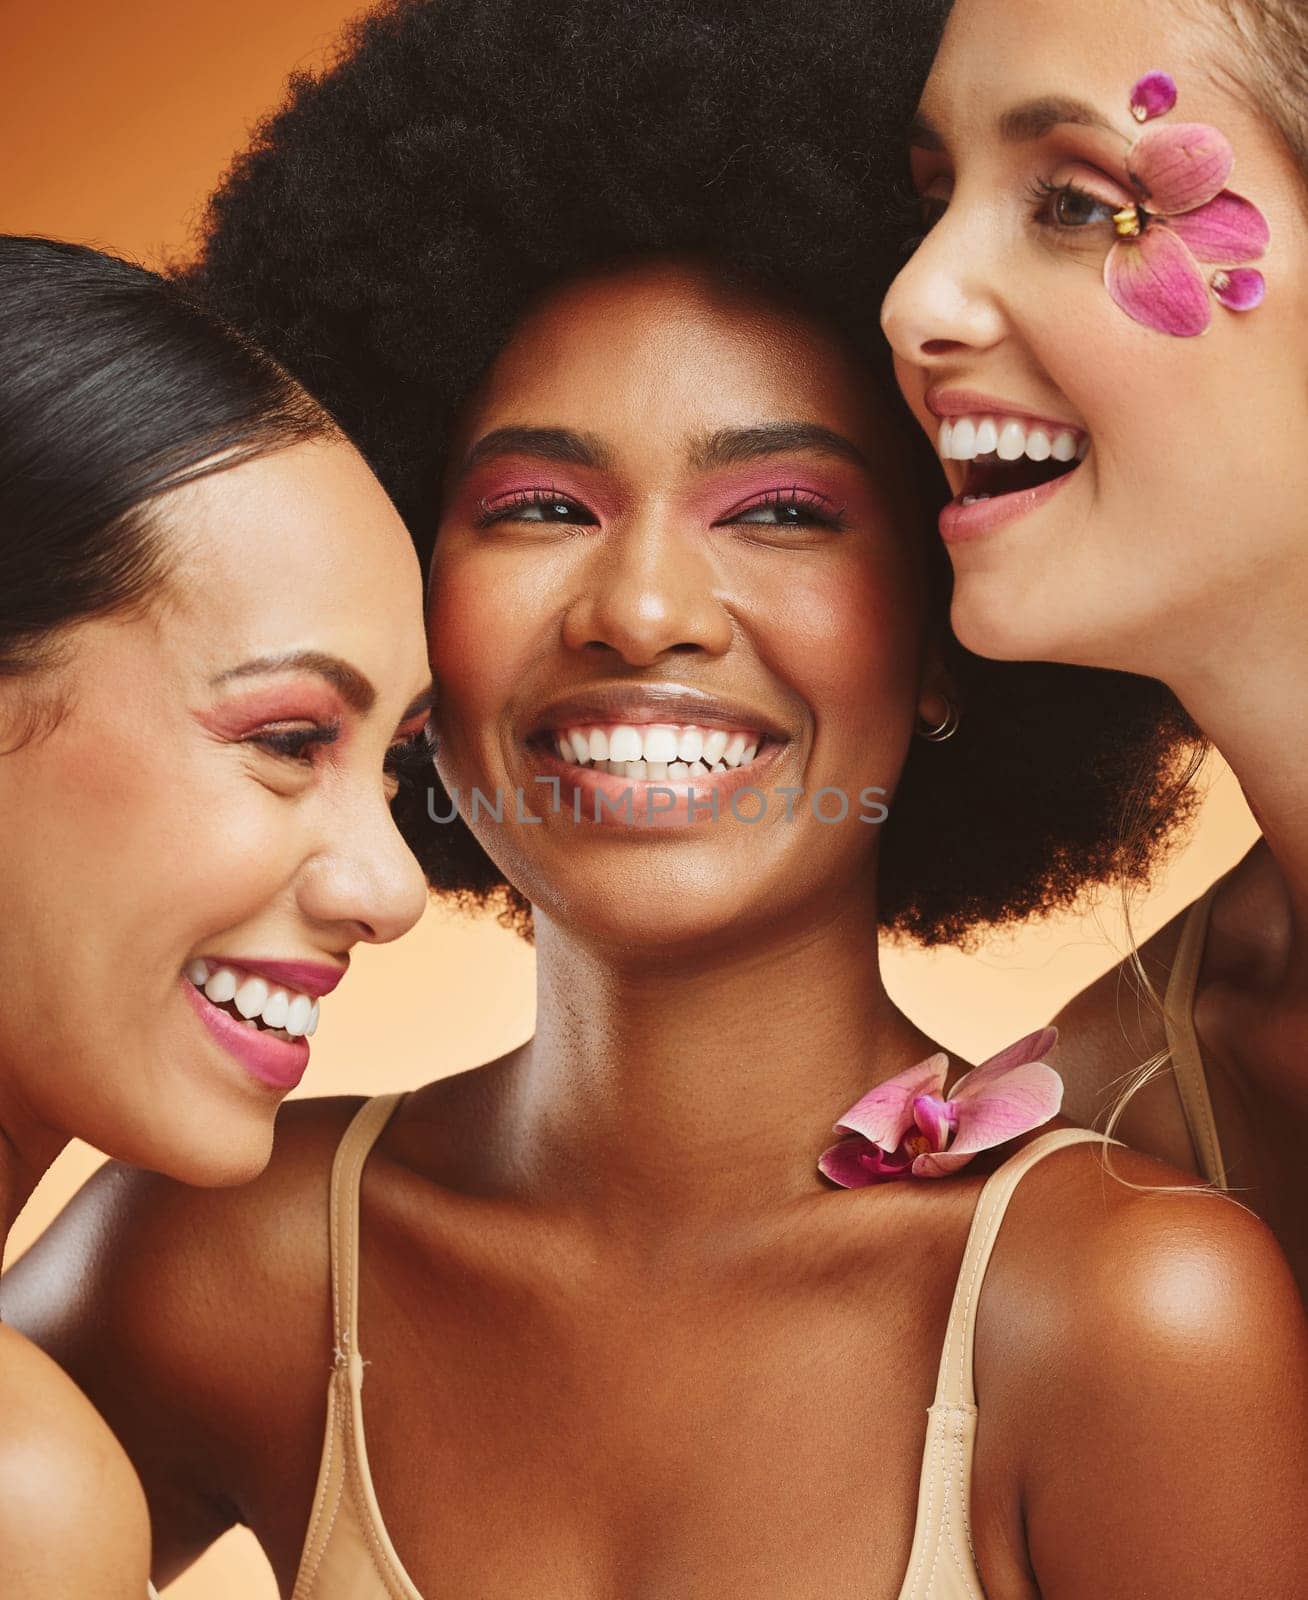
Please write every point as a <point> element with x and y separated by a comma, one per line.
<point>1002,458</point>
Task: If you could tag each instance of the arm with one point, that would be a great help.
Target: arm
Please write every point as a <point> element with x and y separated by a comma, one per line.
<point>73,1522</point>
<point>1167,1455</point>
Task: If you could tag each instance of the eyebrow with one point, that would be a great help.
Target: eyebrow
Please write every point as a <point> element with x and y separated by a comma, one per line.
<point>357,692</point>
<point>728,447</point>
<point>1021,124</point>
<point>550,444</point>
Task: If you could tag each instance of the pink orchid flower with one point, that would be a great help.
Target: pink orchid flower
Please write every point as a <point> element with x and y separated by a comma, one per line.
<point>908,1127</point>
<point>1184,215</point>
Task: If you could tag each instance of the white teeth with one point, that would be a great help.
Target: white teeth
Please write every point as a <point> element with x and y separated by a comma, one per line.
<point>254,998</point>
<point>970,438</point>
<point>656,746</point>
<point>677,769</point>
<point>251,997</point>
<point>696,769</point>
<point>963,445</point>
<point>1012,441</point>
<point>690,747</point>
<point>633,769</point>
<point>714,744</point>
<point>624,744</point>
<point>971,499</point>
<point>735,745</point>
<point>221,985</point>
<point>656,769</point>
<point>297,1014</point>
<point>311,1026</point>
<point>276,1008</point>
<point>660,744</point>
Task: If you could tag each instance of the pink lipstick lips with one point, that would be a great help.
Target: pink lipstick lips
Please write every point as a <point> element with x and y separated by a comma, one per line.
<point>277,1063</point>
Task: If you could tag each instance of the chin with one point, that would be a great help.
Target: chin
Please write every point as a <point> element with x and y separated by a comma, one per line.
<point>213,1152</point>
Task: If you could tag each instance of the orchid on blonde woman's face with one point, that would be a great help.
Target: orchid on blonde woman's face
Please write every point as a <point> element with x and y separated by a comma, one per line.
<point>1183,216</point>
<point>908,1127</point>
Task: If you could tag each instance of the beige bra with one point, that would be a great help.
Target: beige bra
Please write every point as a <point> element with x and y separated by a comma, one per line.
<point>348,1554</point>
<point>1183,1042</point>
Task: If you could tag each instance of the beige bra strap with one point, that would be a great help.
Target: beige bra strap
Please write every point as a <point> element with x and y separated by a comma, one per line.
<point>954,1385</point>
<point>347,1171</point>
<point>1183,1042</point>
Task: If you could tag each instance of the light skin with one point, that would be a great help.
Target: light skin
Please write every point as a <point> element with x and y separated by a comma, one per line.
<point>158,825</point>
<point>636,1342</point>
<point>1176,548</point>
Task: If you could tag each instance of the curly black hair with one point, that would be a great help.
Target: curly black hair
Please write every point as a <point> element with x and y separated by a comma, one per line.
<point>389,225</point>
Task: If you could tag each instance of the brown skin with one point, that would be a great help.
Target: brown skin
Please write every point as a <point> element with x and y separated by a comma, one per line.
<point>637,1344</point>
<point>157,828</point>
<point>1133,565</point>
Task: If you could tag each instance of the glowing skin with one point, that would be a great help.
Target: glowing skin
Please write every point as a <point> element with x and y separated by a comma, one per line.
<point>1135,563</point>
<point>156,829</point>
<point>668,567</point>
<point>1177,548</point>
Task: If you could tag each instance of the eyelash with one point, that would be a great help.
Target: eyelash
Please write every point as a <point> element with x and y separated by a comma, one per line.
<point>408,757</point>
<point>1045,196</point>
<point>523,499</point>
<point>817,505</point>
<point>912,207</point>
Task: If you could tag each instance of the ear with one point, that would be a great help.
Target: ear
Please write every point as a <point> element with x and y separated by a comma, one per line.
<point>936,692</point>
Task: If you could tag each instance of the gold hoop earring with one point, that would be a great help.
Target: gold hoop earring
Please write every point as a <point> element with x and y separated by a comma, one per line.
<point>946,730</point>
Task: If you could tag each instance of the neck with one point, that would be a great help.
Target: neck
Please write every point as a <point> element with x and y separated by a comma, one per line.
<point>665,1086</point>
<point>27,1150</point>
<point>1247,696</point>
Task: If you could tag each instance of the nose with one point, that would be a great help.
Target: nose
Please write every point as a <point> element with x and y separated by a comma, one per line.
<point>365,884</point>
<point>651,587</point>
<point>943,303</point>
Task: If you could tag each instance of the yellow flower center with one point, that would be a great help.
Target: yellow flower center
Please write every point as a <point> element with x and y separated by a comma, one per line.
<point>1127,222</point>
<point>917,1144</point>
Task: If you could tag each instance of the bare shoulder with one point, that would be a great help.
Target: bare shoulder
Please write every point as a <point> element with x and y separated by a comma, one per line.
<point>73,1519</point>
<point>196,1320</point>
<point>1146,1348</point>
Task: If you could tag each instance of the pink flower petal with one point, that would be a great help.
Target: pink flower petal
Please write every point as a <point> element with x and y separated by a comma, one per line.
<point>885,1114</point>
<point>942,1164</point>
<point>1032,1047</point>
<point>1229,228</point>
<point>1153,96</point>
<point>1026,1097</point>
<point>1241,289</point>
<point>936,1118</point>
<point>854,1164</point>
<point>1157,282</point>
<point>1180,167</point>
<point>841,1164</point>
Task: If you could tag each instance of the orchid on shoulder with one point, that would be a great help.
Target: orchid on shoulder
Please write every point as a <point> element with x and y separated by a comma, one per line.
<point>908,1127</point>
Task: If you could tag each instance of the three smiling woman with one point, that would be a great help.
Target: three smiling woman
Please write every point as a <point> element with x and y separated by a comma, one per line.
<point>603,317</point>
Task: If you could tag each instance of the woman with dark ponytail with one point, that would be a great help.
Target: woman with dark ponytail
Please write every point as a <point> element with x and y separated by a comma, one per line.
<point>211,662</point>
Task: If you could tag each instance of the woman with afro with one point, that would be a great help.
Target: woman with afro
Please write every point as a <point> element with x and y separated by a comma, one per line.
<point>594,286</point>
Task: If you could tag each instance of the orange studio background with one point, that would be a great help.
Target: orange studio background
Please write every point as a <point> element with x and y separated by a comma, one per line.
<point>115,122</point>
